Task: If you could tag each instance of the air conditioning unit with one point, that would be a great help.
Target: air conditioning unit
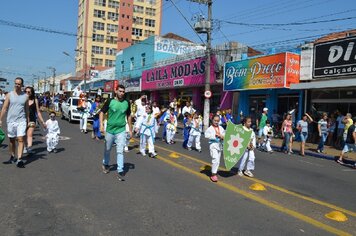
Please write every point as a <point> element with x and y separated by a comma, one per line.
<point>103,18</point>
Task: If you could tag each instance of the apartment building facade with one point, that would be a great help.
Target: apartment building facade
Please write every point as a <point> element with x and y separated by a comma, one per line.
<point>108,26</point>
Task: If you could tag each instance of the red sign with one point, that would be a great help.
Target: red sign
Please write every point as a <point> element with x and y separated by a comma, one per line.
<point>110,86</point>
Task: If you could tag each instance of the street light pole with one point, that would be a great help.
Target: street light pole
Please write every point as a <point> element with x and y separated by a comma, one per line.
<point>44,80</point>
<point>54,79</point>
<point>85,67</point>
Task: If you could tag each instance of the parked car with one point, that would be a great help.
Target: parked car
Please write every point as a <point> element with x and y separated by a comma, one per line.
<point>70,109</point>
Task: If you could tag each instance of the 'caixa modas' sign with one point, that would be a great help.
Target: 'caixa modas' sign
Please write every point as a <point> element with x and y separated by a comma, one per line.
<point>335,58</point>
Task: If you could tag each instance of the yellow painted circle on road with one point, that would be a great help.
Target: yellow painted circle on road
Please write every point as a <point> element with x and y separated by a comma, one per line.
<point>258,187</point>
<point>337,216</point>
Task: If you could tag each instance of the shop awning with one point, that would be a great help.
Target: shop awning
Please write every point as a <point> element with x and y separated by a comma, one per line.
<point>337,83</point>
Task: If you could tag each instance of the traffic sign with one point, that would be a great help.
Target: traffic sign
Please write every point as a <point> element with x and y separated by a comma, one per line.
<point>207,94</point>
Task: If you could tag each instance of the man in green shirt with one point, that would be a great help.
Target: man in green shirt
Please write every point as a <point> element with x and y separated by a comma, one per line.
<point>119,112</point>
<point>261,123</point>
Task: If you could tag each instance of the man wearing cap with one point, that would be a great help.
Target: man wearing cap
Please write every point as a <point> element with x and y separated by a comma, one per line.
<point>261,123</point>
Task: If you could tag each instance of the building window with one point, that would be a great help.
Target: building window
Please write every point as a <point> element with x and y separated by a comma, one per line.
<point>152,2</point>
<point>98,38</point>
<point>138,20</point>
<point>123,4</point>
<point>109,63</point>
<point>100,3</point>
<point>110,51</point>
<point>150,11</point>
<point>113,4</point>
<point>138,9</point>
<point>127,40</point>
<point>128,17</point>
<point>98,26</point>
<point>143,59</point>
<point>127,28</point>
<point>113,16</point>
<point>123,15</point>
<point>132,63</point>
<point>97,62</point>
<point>135,41</point>
<point>139,0</point>
<point>111,40</point>
<point>149,33</point>
<point>99,13</point>
<point>112,28</point>
<point>97,50</point>
<point>136,32</point>
<point>122,66</point>
<point>150,23</point>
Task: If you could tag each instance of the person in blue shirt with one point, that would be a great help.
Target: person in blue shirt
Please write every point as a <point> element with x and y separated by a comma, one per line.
<point>95,109</point>
<point>229,116</point>
<point>162,121</point>
<point>186,130</point>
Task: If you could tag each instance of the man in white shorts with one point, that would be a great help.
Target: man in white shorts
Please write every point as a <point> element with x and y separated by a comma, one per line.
<point>16,106</point>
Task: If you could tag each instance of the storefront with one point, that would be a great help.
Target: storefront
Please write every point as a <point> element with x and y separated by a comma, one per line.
<point>330,79</point>
<point>132,88</point>
<point>182,80</point>
<point>264,82</point>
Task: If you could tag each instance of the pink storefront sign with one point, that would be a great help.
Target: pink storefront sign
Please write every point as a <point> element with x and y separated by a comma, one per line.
<point>183,74</point>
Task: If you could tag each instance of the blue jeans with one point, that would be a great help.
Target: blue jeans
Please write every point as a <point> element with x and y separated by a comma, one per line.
<point>286,141</point>
<point>322,141</point>
<point>96,128</point>
<point>119,139</point>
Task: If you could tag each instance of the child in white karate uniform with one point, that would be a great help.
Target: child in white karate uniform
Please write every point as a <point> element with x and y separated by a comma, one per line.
<point>195,132</point>
<point>146,126</point>
<point>53,132</point>
<point>215,133</point>
<point>268,134</point>
<point>249,154</point>
<point>171,127</point>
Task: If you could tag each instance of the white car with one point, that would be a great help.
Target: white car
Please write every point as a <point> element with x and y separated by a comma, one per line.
<point>70,111</point>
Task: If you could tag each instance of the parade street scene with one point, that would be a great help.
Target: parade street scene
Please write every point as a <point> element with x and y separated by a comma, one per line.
<point>177,117</point>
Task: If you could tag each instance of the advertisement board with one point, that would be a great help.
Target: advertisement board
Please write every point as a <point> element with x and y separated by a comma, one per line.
<point>335,58</point>
<point>273,71</point>
<point>182,74</point>
<point>132,85</point>
<point>177,47</point>
<point>110,86</point>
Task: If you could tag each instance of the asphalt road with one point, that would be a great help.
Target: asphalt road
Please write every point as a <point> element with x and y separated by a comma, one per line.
<point>67,194</point>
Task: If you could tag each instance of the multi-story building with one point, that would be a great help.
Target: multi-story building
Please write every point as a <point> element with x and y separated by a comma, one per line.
<point>108,26</point>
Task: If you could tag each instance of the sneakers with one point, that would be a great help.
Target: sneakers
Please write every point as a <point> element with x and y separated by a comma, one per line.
<point>248,173</point>
<point>12,160</point>
<point>189,148</point>
<point>120,176</point>
<point>214,178</point>
<point>54,150</point>
<point>239,173</point>
<point>143,154</point>
<point>20,164</point>
<point>29,150</point>
<point>152,155</point>
<point>126,149</point>
<point>318,151</point>
<point>24,150</point>
<point>105,169</point>
<point>199,150</point>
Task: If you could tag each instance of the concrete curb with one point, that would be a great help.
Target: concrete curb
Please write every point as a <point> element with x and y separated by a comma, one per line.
<point>308,153</point>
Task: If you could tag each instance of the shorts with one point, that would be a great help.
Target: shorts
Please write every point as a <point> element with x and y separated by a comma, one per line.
<point>303,136</point>
<point>349,147</point>
<point>260,133</point>
<point>16,129</point>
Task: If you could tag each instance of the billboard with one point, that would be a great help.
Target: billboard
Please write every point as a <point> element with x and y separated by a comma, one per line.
<point>335,58</point>
<point>132,85</point>
<point>181,74</point>
<point>273,71</point>
<point>176,47</point>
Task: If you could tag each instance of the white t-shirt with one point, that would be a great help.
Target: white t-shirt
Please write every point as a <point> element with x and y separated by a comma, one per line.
<point>52,127</point>
<point>155,111</point>
<point>190,110</point>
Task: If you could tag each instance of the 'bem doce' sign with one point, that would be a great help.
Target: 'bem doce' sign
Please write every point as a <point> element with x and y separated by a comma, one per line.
<point>335,58</point>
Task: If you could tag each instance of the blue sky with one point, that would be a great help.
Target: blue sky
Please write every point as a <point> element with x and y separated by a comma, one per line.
<point>25,52</point>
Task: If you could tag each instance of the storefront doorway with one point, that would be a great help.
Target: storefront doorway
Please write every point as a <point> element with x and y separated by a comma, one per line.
<point>256,105</point>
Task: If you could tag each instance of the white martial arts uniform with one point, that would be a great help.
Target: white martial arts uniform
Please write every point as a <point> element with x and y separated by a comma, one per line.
<point>84,116</point>
<point>267,133</point>
<point>52,136</point>
<point>171,127</point>
<point>147,124</point>
<point>215,146</point>
<point>195,133</point>
<point>249,154</point>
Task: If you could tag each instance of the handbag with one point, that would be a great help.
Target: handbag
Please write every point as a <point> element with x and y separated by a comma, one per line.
<point>2,136</point>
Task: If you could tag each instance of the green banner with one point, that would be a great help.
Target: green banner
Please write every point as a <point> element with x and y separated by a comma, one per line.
<point>235,143</point>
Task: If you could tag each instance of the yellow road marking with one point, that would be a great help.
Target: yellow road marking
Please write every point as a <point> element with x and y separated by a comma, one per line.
<point>316,201</point>
<point>260,200</point>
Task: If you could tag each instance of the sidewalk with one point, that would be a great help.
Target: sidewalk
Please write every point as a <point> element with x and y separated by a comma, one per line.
<point>310,150</point>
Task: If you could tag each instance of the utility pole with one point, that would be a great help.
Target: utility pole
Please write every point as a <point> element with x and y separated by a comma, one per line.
<point>203,26</point>
<point>44,80</point>
<point>84,52</point>
<point>54,79</point>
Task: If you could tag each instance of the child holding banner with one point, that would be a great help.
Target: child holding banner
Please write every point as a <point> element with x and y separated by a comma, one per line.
<point>249,154</point>
<point>215,133</point>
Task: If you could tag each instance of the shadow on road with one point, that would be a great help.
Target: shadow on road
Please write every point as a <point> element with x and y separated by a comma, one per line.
<point>127,167</point>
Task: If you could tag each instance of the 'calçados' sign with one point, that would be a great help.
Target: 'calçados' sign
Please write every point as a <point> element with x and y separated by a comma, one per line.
<point>187,73</point>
